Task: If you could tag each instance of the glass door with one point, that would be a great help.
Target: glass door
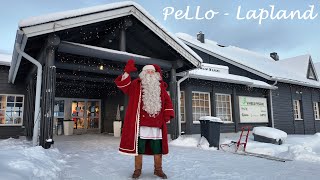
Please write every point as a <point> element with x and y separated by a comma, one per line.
<point>93,114</point>
<point>79,114</point>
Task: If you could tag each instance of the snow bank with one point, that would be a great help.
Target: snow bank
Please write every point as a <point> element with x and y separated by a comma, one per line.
<point>304,148</point>
<point>192,141</point>
<point>19,160</point>
<point>270,133</point>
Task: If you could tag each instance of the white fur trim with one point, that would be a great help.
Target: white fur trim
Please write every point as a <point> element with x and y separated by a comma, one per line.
<point>128,154</point>
<point>124,85</point>
<point>150,67</point>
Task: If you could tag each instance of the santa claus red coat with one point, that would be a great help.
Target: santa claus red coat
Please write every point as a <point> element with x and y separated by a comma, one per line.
<point>130,131</point>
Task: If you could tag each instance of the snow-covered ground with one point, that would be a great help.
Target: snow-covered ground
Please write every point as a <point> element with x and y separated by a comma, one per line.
<point>96,157</point>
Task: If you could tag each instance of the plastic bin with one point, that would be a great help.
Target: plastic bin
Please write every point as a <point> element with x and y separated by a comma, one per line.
<point>117,128</point>
<point>68,127</point>
<point>210,129</point>
<point>266,139</point>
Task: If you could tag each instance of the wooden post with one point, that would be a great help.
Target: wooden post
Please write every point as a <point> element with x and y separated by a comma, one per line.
<point>48,93</point>
<point>173,94</point>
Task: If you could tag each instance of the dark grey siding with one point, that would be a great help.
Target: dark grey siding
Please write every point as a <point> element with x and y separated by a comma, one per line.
<point>307,111</point>
<point>283,108</point>
<point>217,87</point>
<point>283,99</point>
<point>6,88</point>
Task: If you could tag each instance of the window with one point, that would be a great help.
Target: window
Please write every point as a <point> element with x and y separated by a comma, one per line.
<point>182,106</point>
<point>200,105</point>
<point>223,107</point>
<point>59,108</point>
<point>297,110</point>
<point>316,110</point>
<point>11,109</point>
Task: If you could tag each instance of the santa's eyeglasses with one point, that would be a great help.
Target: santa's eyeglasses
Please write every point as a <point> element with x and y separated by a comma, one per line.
<point>150,71</point>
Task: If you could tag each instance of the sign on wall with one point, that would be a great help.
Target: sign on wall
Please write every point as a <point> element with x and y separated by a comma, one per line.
<point>253,109</point>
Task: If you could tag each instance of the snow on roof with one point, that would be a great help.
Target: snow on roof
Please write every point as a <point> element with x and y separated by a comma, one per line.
<point>298,64</point>
<point>5,59</point>
<point>32,21</point>
<point>254,62</point>
<point>317,68</point>
<point>73,13</point>
<point>270,133</point>
<point>228,78</point>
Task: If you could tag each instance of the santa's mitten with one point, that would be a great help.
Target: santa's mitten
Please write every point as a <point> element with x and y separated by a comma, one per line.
<point>130,66</point>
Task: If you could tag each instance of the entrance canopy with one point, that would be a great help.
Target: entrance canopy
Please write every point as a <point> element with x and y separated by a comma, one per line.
<point>96,42</point>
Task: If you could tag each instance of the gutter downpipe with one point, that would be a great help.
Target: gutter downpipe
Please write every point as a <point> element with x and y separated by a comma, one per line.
<point>179,102</point>
<point>38,90</point>
<point>271,105</point>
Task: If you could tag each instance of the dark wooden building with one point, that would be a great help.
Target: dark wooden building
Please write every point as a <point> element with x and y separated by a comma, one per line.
<point>294,99</point>
<point>12,101</point>
<point>68,62</point>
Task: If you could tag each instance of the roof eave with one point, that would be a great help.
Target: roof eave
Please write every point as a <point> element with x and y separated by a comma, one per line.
<point>21,39</point>
<point>295,82</point>
<point>261,74</point>
<point>63,24</point>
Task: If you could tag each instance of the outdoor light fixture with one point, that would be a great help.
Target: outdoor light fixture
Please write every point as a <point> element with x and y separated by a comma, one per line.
<point>101,67</point>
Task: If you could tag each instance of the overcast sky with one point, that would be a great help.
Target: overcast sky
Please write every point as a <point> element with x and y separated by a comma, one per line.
<point>287,37</point>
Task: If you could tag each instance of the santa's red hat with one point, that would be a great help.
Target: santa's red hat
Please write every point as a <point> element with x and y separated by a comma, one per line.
<point>154,67</point>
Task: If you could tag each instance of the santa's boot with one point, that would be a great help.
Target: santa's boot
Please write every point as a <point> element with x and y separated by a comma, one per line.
<point>137,167</point>
<point>158,166</point>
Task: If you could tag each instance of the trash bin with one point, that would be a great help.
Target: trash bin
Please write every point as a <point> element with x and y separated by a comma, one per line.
<point>68,127</point>
<point>210,129</point>
<point>117,128</point>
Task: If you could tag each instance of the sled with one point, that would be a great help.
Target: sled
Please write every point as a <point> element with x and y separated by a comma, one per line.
<point>239,147</point>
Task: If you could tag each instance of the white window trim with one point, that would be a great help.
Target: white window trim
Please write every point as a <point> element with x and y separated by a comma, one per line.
<point>21,124</point>
<point>229,107</point>
<point>318,112</point>
<point>198,122</point>
<point>299,110</point>
<point>184,107</point>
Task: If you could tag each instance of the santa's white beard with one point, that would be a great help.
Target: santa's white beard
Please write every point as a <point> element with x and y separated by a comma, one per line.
<point>151,92</point>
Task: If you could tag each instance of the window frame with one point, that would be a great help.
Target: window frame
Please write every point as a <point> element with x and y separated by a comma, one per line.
<point>209,100</point>
<point>184,106</point>
<point>297,107</point>
<point>230,106</point>
<point>5,110</point>
<point>316,110</point>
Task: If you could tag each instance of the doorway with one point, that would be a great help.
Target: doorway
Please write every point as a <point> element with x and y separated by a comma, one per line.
<point>86,113</point>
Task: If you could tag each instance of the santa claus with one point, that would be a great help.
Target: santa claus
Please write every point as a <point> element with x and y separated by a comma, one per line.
<point>149,109</point>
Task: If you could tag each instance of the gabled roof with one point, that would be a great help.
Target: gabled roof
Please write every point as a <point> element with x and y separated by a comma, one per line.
<point>41,25</point>
<point>301,65</point>
<point>317,68</point>
<point>5,59</point>
<point>74,18</point>
<point>263,66</point>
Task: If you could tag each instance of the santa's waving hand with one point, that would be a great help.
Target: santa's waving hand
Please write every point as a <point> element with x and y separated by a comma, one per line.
<point>149,108</point>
